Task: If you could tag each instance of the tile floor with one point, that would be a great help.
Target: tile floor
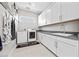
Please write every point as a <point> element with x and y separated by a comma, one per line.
<point>32,51</point>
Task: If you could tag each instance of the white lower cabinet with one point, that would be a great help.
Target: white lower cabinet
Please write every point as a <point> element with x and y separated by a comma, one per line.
<point>66,50</point>
<point>49,42</point>
<point>39,36</point>
<point>62,47</point>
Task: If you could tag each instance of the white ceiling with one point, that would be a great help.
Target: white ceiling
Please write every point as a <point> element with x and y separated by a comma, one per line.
<point>35,7</point>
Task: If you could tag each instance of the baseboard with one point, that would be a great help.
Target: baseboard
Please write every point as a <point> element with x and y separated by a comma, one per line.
<point>49,49</point>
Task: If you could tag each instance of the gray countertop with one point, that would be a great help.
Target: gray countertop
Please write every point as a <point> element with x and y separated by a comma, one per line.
<point>60,34</point>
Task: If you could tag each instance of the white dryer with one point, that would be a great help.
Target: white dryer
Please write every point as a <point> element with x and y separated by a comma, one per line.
<point>31,35</point>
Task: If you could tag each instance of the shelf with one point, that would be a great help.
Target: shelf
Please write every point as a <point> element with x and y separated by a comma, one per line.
<point>61,22</point>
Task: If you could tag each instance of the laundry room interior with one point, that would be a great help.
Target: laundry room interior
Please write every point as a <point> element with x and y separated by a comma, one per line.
<point>39,29</point>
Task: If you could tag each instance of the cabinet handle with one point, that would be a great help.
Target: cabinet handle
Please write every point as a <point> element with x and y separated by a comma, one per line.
<point>56,45</point>
<point>60,18</point>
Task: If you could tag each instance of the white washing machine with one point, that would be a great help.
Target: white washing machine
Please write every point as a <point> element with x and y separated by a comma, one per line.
<point>22,36</point>
<point>31,35</point>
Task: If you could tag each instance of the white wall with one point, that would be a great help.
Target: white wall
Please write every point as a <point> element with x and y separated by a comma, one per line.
<point>27,20</point>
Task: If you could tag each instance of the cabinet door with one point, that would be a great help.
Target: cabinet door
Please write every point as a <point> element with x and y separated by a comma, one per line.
<point>52,44</point>
<point>42,19</point>
<point>39,20</point>
<point>53,13</point>
<point>39,36</point>
<point>44,39</point>
<point>66,50</point>
<point>70,10</point>
<point>49,42</point>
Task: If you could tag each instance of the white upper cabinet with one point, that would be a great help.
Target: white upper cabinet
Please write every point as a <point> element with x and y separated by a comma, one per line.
<point>53,13</point>
<point>42,19</point>
<point>50,15</point>
<point>70,10</point>
<point>59,11</point>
